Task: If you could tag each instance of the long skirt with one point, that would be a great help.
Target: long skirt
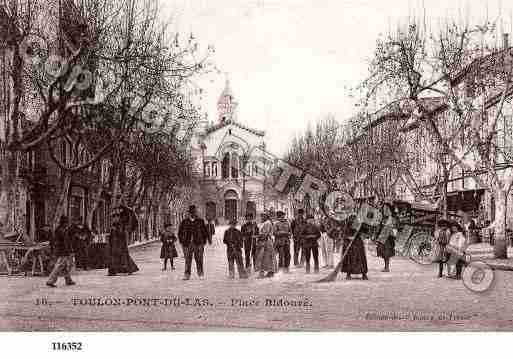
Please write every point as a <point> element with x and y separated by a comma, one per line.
<point>120,260</point>
<point>355,261</point>
<point>265,260</point>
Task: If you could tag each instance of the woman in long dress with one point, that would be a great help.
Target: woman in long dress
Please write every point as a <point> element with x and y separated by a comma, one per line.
<point>119,258</point>
<point>355,260</point>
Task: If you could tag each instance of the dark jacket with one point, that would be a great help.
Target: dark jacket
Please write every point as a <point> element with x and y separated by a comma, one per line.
<point>309,235</point>
<point>233,239</point>
<point>282,232</point>
<point>61,244</point>
<point>297,226</point>
<point>249,230</point>
<point>211,230</point>
<point>43,235</point>
<point>192,232</point>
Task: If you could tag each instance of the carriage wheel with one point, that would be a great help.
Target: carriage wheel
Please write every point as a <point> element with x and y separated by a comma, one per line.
<point>421,247</point>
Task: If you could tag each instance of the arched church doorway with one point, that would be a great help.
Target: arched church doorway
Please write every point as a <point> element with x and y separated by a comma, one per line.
<point>210,210</point>
<point>230,204</point>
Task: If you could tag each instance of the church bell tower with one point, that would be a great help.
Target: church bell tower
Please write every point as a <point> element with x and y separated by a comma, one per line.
<point>227,106</point>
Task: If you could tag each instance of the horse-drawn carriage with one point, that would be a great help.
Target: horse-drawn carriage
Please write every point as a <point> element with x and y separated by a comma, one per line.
<point>416,224</point>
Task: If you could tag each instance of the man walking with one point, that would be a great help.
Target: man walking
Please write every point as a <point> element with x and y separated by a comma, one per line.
<point>282,234</point>
<point>61,248</point>
<point>249,234</point>
<point>297,226</point>
<point>193,236</point>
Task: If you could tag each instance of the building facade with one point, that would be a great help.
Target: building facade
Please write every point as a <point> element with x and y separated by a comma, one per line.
<point>233,181</point>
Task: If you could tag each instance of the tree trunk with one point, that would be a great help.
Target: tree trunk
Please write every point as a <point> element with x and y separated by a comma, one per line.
<point>62,203</point>
<point>500,249</point>
<point>94,205</point>
<point>7,190</point>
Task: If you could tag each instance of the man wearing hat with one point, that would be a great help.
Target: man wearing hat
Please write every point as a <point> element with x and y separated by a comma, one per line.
<point>282,234</point>
<point>193,235</point>
<point>233,240</point>
<point>249,234</point>
<point>296,227</point>
<point>61,248</point>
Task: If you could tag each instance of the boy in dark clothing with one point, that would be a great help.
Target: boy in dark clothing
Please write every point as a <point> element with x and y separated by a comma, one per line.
<point>233,240</point>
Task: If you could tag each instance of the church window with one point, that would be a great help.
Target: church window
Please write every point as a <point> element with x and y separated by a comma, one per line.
<point>214,169</point>
<point>225,166</point>
<point>235,165</point>
<point>230,131</point>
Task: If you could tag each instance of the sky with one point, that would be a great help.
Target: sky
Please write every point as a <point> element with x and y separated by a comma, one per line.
<point>291,62</point>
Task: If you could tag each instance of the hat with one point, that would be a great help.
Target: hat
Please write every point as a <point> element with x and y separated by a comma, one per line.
<point>301,211</point>
<point>280,214</point>
<point>192,209</point>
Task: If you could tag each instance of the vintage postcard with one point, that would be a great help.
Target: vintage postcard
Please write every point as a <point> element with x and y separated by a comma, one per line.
<point>255,165</point>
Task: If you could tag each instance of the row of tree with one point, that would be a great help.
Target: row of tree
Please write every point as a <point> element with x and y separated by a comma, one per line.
<point>107,79</point>
<point>449,85</point>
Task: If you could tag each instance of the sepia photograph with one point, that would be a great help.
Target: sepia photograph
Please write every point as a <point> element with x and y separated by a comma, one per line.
<point>255,166</point>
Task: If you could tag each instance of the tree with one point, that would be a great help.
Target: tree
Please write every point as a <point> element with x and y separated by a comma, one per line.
<point>120,63</point>
<point>471,81</point>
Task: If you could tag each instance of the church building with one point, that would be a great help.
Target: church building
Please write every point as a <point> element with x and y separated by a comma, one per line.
<point>232,182</point>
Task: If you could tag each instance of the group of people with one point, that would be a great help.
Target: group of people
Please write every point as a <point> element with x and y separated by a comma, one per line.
<point>267,248</point>
<point>73,240</point>
<point>263,248</point>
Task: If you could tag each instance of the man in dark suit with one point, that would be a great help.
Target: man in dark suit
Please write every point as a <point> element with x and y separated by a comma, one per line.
<point>249,234</point>
<point>62,249</point>
<point>193,235</point>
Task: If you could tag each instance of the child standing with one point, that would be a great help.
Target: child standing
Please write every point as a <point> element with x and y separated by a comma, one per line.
<point>168,250</point>
<point>233,240</point>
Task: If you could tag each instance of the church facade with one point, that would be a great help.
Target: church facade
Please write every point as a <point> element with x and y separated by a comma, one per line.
<point>232,182</point>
